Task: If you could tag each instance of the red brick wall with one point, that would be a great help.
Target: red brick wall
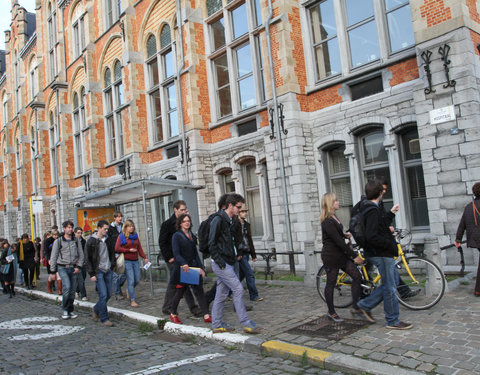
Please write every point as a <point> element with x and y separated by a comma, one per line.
<point>320,99</point>
<point>473,11</point>
<point>435,12</point>
<point>404,71</point>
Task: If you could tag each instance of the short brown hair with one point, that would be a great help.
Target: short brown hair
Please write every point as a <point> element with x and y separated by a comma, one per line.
<point>373,189</point>
<point>117,214</point>
<point>179,203</point>
<point>476,189</point>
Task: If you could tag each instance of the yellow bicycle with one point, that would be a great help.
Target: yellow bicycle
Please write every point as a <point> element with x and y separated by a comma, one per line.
<point>421,283</point>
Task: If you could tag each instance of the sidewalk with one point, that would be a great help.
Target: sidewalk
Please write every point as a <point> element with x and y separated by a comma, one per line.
<point>445,339</point>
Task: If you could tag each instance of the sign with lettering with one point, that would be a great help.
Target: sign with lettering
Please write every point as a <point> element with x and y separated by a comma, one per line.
<point>445,114</point>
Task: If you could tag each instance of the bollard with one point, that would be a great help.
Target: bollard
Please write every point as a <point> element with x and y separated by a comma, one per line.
<point>311,265</point>
<point>432,252</point>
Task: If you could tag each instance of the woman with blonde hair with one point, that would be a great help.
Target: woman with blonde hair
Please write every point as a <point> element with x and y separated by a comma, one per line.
<point>129,244</point>
<point>336,255</point>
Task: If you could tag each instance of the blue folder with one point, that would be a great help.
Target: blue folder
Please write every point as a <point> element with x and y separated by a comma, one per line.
<point>191,277</point>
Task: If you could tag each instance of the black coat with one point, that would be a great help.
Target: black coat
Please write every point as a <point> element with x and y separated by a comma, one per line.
<point>239,235</point>
<point>467,222</point>
<point>335,252</point>
<point>220,240</point>
<point>184,252</point>
<point>379,239</point>
<point>112,235</point>
<point>93,255</point>
<point>167,230</point>
<point>28,255</point>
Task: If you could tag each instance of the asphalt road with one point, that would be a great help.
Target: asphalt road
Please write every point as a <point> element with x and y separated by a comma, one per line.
<point>35,340</point>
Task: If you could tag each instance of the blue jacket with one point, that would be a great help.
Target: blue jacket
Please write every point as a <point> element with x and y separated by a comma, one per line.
<point>184,252</point>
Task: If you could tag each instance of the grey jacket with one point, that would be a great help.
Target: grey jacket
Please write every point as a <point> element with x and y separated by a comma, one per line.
<point>66,253</point>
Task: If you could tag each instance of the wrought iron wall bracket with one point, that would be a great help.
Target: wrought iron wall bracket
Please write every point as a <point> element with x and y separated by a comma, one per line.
<point>187,151</point>
<point>426,55</point>
<point>444,51</point>
<point>282,118</point>
<point>272,123</point>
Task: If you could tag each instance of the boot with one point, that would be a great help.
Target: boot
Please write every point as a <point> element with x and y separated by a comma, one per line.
<point>59,286</point>
<point>12,287</point>
<point>10,293</point>
<point>49,286</point>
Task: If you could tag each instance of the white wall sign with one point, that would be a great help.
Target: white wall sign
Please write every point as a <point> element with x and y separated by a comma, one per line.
<point>37,205</point>
<point>50,329</point>
<point>445,114</point>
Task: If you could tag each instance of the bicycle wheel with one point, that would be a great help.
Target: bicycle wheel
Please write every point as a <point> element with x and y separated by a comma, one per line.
<point>342,295</point>
<point>428,288</point>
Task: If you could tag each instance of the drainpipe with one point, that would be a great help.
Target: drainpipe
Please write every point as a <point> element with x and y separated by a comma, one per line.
<point>279,137</point>
<point>179,98</point>
<point>34,154</point>
<point>59,218</point>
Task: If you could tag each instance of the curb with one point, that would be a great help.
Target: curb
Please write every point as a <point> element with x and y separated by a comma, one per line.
<point>320,358</point>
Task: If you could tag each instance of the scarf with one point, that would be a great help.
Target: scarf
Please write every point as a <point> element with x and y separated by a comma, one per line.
<point>20,255</point>
<point>123,240</point>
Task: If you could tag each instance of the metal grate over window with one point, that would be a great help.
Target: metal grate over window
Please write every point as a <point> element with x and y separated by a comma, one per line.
<point>165,36</point>
<point>213,6</point>
<point>151,46</point>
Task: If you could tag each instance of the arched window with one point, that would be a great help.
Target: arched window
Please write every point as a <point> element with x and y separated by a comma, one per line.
<point>162,88</point>
<point>33,78</point>
<point>113,96</point>
<point>78,31</point>
<point>77,134</point>
<point>53,134</point>
<point>213,6</point>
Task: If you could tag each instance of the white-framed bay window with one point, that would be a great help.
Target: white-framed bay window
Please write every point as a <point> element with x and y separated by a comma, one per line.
<point>113,105</point>
<point>162,86</point>
<point>348,34</point>
<point>235,55</point>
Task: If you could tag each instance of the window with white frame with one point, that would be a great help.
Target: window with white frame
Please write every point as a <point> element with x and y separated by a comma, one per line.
<point>52,41</point>
<point>227,185</point>
<point>338,180</point>
<point>113,9</point>
<point>5,109</point>
<point>18,162</point>
<point>16,80</point>
<point>78,130</point>
<point>78,29</point>
<point>235,55</point>
<point>113,101</point>
<point>252,196</point>
<point>345,34</point>
<point>53,138</point>
<point>414,178</point>
<point>162,89</point>
<point>33,78</point>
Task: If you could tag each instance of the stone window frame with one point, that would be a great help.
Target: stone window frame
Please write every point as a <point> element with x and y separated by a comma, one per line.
<point>78,36</point>
<point>162,87</point>
<point>18,158</point>
<point>52,40</point>
<point>79,127</point>
<point>53,140</point>
<point>228,51</point>
<point>380,17</point>
<point>112,16</point>
<point>112,108</point>
<point>33,77</point>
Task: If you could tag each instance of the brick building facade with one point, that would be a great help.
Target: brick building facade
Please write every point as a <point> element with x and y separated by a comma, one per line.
<point>280,100</point>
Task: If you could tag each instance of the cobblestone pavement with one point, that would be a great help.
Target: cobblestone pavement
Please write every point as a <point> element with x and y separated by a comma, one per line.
<point>445,338</point>
<point>122,349</point>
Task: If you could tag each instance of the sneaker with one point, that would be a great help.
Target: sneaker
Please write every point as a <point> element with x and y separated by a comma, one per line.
<point>108,323</point>
<point>258,299</point>
<point>401,325</point>
<point>251,327</point>
<point>335,317</point>
<point>77,296</point>
<point>84,299</point>
<point>368,315</point>
<point>119,297</point>
<point>72,315</point>
<point>410,294</point>
<point>65,315</point>
<point>95,317</point>
<point>223,328</point>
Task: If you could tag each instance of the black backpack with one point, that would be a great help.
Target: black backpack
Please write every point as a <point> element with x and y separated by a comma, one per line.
<point>357,223</point>
<point>203,233</point>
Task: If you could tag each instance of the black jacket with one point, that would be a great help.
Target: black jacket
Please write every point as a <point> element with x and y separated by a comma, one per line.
<point>93,255</point>
<point>165,238</point>
<point>221,240</point>
<point>335,251</point>
<point>239,235</point>
<point>467,222</point>
<point>184,252</point>
<point>379,239</point>
<point>112,235</point>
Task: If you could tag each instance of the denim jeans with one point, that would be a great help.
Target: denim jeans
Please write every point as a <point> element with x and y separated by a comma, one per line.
<point>68,287</point>
<point>80,282</point>
<point>118,281</point>
<point>386,291</point>
<point>227,280</point>
<point>247,273</point>
<point>104,290</point>
<point>132,270</point>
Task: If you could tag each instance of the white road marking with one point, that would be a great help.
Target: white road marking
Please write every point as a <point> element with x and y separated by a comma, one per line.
<point>53,330</point>
<point>170,365</point>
